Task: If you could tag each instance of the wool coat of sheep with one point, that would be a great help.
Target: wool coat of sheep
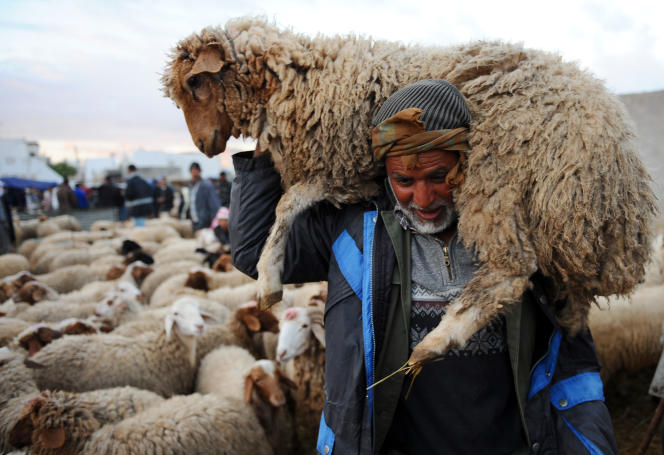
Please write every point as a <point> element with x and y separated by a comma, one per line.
<point>553,182</point>
<point>150,361</point>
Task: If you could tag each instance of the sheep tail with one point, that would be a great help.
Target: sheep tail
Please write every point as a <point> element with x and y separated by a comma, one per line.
<point>295,200</point>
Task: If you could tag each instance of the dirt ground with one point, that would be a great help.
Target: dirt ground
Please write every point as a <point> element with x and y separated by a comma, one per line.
<point>631,410</point>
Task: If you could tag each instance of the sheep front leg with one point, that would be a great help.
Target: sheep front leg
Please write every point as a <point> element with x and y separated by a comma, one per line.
<point>484,298</point>
<point>270,266</point>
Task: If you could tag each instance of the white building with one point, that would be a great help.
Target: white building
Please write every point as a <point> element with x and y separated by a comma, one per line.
<point>21,158</point>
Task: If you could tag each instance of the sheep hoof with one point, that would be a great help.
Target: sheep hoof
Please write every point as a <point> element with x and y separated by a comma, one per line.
<point>420,356</point>
<point>267,301</point>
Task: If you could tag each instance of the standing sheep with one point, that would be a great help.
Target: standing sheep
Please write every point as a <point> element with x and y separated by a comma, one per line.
<point>550,150</point>
<point>302,345</point>
<point>163,362</point>
<point>232,372</point>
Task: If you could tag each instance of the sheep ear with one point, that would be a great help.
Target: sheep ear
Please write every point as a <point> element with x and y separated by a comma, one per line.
<point>251,322</point>
<point>248,388</point>
<point>169,322</point>
<point>269,322</point>
<point>21,433</point>
<point>319,333</point>
<point>207,317</point>
<point>52,438</point>
<point>209,60</point>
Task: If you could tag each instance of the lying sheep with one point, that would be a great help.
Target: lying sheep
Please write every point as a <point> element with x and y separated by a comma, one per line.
<point>545,138</point>
<point>163,362</point>
<point>11,264</point>
<point>627,330</point>
<point>301,348</point>
<point>63,424</point>
<point>232,372</point>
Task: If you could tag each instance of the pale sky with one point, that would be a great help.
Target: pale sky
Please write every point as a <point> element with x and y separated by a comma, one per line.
<point>84,75</point>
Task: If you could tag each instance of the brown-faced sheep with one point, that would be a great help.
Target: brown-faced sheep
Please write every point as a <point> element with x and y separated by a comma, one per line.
<point>551,149</point>
<point>61,423</point>
<point>232,372</point>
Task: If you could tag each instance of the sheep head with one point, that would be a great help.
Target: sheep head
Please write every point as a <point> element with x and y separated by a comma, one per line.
<point>33,292</point>
<point>268,380</point>
<point>197,279</point>
<point>54,422</point>
<point>35,338</point>
<point>297,328</point>
<point>186,318</point>
<point>193,81</point>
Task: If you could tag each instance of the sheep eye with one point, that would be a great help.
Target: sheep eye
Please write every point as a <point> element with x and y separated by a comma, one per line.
<point>194,82</point>
<point>176,314</point>
<point>304,326</point>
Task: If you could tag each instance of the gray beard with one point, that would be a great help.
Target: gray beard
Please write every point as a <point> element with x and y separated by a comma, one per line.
<point>428,227</point>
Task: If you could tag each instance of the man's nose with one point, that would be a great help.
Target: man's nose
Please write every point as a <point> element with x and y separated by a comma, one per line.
<point>424,195</point>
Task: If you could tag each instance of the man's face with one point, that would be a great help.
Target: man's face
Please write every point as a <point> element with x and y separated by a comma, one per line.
<point>195,173</point>
<point>422,193</point>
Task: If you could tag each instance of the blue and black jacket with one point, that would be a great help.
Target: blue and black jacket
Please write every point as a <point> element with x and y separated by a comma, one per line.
<point>360,250</point>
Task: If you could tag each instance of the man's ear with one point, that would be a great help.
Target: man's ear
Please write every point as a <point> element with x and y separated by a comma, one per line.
<point>209,60</point>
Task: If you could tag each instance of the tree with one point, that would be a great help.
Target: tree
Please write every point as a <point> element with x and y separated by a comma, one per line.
<point>63,168</point>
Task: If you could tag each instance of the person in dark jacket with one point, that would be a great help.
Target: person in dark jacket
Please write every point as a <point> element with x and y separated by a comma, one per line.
<point>521,385</point>
<point>224,190</point>
<point>204,199</point>
<point>109,195</point>
<point>66,197</point>
<point>164,196</point>
<point>7,235</point>
<point>138,197</point>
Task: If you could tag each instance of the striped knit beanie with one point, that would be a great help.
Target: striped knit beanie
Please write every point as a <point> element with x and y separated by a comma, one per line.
<point>443,106</point>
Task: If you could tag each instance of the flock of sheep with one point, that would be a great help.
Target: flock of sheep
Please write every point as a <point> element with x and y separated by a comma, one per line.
<point>147,340</point>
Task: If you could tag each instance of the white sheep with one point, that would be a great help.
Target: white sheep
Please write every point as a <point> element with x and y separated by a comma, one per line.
<point>163,362</point>
<point>301,348</point>
<point>10,264</point>
<point>232,372</point>
<point>627,330</point>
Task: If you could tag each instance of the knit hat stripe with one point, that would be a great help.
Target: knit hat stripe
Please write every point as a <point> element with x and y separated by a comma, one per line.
<point>443,106</point>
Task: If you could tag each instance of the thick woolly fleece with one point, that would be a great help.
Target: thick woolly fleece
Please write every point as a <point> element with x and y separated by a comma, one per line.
<point>553,181</point>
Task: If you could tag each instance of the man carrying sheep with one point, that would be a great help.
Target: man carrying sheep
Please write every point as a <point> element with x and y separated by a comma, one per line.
<point>520,385</point>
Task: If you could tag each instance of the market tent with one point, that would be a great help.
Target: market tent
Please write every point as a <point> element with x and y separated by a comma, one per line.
<point>17,182</point>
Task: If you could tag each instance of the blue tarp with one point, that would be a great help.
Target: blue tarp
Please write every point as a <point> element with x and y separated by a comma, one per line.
<point>16,182</point>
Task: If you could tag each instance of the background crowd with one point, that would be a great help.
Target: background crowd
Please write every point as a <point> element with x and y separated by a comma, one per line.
<point>203,201</point>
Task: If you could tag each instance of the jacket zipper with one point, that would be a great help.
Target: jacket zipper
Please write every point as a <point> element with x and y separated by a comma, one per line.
<point>447,256</point>
<point>532,369</point>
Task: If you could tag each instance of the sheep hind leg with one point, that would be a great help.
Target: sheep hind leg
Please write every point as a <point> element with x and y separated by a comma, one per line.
<point>270,266</point>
